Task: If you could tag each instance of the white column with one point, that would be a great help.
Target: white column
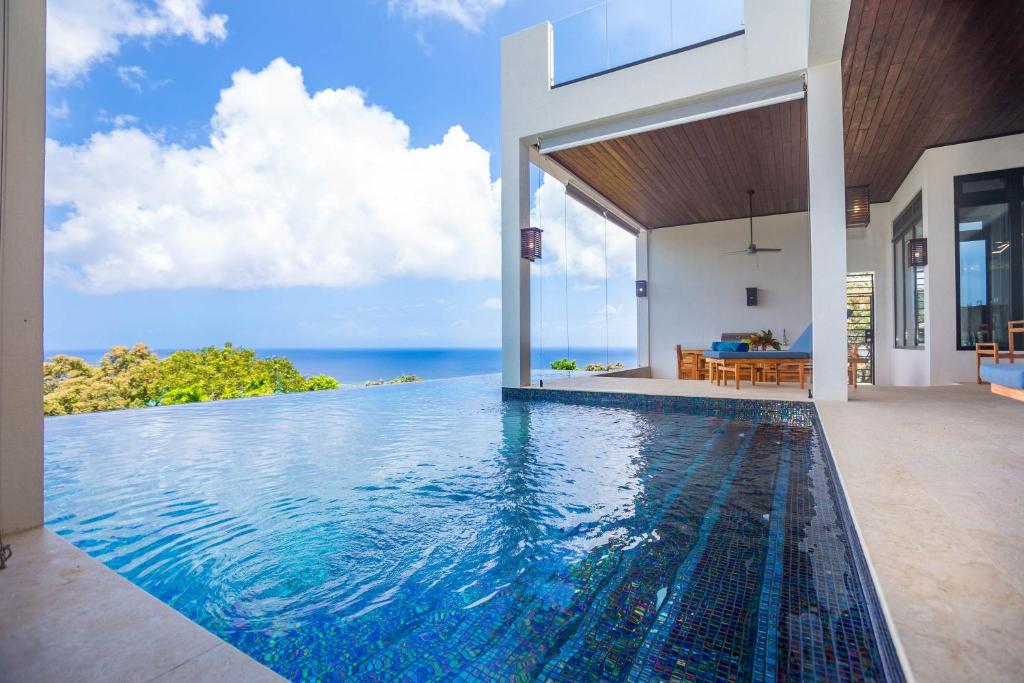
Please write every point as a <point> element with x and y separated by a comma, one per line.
<point>643,308</point>
<point>23,110</point>
<point>827,200</point>
<point>515,270</point>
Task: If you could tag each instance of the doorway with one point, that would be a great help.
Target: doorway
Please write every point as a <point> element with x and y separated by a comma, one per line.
<point>860,322</point>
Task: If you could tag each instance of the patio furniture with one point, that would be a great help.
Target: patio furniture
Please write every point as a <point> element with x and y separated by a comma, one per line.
<point>794,360</point>
<point>855,362</point>
<point>1006,379</point>
<point>991,350</point>
<point>690,363</point>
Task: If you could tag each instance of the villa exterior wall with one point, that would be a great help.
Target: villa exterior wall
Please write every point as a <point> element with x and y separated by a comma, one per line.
<point>939,363</point>
<point>21,263</point>
<point>697,290</point>
<point>531,107</point>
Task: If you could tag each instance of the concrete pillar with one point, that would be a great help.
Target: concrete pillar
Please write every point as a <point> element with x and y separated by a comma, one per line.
<point>515,270</point>
<point>827,201</point>
<point>23,114</point>
<point>643,307</point>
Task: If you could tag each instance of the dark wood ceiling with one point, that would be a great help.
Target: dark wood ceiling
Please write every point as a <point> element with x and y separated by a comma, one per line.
<point>701,171</point>
<point>925,73</point>
<point>916,74</point>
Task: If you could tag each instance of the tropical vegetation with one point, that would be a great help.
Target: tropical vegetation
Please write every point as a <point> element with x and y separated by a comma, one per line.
<point>136,377</point>
<point>763,340</point>
<point>401,379</point>
<point>601,367</point>
<point>563,364</point>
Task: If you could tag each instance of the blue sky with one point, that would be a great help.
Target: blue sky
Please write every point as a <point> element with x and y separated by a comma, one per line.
<point>314,173</point>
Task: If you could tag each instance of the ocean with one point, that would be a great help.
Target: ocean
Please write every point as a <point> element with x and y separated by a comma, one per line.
<point>356,366</point>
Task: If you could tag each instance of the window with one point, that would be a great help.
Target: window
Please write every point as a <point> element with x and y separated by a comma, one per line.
<point>908,281</point>
<point>990,256</point>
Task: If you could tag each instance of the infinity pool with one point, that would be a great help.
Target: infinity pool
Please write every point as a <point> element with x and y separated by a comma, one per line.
<point>433,532</point>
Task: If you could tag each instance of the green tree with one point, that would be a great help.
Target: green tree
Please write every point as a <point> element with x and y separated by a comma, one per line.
<point>563,364</point>
<point>213,373</point>
<point>133,377</point>
<point>134,372</point>
<point>60,368</point>
<point>321,383</point>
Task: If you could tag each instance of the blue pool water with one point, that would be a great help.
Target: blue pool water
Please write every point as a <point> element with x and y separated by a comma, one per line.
<point>434,532</point>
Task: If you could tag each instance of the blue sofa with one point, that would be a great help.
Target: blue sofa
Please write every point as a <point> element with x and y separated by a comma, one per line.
<point>800,350</point>
<point>1009,375</point>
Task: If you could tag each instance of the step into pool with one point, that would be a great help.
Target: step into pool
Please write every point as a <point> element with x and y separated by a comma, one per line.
<point>438,532</point>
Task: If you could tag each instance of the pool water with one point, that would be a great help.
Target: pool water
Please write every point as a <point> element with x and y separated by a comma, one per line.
<point>433,532</point>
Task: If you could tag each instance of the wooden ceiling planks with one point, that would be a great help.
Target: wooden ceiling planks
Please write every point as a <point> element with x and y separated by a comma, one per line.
<point>927,73</point>
<point>701,171</point>
<point>916,74</point>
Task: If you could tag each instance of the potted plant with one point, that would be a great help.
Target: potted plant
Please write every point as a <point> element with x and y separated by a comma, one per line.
<point>763,340</point>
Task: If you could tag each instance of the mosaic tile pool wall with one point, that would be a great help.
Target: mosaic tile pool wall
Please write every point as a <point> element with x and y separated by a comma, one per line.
<point>437,532</point>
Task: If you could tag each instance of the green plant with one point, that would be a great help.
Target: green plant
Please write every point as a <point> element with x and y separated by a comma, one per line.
<point>321,383</point>
<point>763,340</point>
<point>600,367</point>
<point>405,379</point>
<point>563,364</point>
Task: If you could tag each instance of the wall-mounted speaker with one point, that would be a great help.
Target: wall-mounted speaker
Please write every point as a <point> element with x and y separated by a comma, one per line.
<point>751,296</point>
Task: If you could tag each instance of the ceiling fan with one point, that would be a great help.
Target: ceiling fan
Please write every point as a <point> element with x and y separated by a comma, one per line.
<point>752,248</point>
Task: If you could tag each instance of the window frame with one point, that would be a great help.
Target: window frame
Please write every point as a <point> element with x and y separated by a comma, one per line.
<point>1012,195</point>
<point>907,221</point>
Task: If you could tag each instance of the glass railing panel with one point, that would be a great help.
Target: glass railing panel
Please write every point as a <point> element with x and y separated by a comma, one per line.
<point>621,32</point>
<point>581,44</point>
<point>637,29</point>
<point>696,21</point>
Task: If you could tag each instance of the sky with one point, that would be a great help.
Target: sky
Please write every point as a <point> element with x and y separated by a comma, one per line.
<point>316,173</point>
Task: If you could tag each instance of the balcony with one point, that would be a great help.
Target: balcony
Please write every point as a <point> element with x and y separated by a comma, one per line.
<point>620,33</point>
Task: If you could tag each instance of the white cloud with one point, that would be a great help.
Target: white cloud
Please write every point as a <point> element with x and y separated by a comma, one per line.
<point>492,304</point>
<point>81,33</point>
<point>59,111</point>
<point>124,120</point>
<point>585,238</point>
<point>471,14</point>
<point>132,77</point>
<point>291,189</point>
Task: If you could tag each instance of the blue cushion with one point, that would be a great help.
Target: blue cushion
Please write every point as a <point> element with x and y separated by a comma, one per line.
<point>730,346</point>
<point>758,355</point>
<point>804,343</point>
<point>1005,374</point>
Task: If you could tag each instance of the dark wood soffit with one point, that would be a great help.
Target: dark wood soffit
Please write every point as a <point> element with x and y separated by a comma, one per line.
<point>700,172</point>
<point>926,73</point>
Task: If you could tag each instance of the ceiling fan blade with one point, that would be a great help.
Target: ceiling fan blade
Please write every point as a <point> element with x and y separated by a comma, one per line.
<point>742,251</point>
<point>761,249</point>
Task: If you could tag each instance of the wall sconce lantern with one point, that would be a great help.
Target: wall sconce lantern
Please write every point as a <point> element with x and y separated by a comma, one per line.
<point>917,252</point>
<point>530,243</point>
<point>641,289</point>
<point>858,207</point>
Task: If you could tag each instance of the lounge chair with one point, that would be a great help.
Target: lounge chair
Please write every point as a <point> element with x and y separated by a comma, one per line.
<point>795,358</point>
<point>1007,379</point>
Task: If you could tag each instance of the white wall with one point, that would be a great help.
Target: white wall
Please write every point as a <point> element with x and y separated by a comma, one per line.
<point>536,109</point>
<point>939,362</point>
<point>941,165</point>
<point>697,291</point>
<point>21,264</point>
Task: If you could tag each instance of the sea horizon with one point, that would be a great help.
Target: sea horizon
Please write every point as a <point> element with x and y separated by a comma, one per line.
<point>354,365</point>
